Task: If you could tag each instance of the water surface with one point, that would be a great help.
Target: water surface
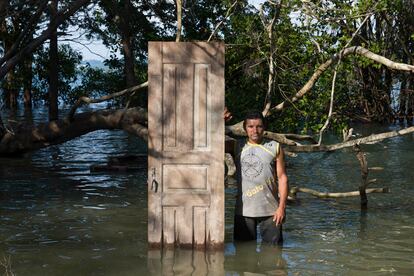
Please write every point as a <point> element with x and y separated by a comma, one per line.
<point>59,218</point>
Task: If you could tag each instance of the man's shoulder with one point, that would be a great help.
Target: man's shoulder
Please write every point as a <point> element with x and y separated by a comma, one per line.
<point>272,146</point>
<point>269,143</point>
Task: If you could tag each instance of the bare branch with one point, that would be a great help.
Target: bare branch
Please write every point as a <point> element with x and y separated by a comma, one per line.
<point>222,21</point>
<point>84,45</point>
<point>364,174</point>
<point>325,125</point>
<point>355,50</point>
<point>88,100</point>
<point>237,130</point>
<point>179,20</point>
<point>295,190</point>
<point>359,141</point>
<point>272,50</point>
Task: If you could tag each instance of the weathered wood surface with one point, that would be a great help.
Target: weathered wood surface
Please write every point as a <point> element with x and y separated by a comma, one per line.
<point>186,144</point>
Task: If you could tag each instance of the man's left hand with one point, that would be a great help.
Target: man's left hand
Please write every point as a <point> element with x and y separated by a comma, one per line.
<point>279,215</point>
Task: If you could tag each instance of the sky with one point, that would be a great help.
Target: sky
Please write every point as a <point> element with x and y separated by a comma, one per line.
<point>95,50</point>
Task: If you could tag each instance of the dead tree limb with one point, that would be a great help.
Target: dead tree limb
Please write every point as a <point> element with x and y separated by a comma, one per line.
<point>359,141</point>
<point>228,13</point>
<point>269,27</point>
<point>299,137</point>
<point>237,130</point>
<point>364,175</point>
<point>28,138</point>
<point>179,20</point>
<point>87,100</point>
<point>294,190</point>
<point>355,50</point>
<point>326,124</point>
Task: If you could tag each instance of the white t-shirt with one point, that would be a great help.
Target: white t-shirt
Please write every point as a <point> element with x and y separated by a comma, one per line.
<point>256,178</point>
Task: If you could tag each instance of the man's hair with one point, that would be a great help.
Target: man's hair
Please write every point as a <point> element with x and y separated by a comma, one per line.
<point>254,114</point>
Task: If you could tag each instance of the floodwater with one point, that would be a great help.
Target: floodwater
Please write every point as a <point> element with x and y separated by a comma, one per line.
<point>57,217</point>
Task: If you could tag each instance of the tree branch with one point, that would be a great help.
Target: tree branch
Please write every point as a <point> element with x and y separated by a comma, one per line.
<point>347,144</point>
<point>222,21</point>
<point>355,50</point>
<point>294,190</point>
<point>61,17</point>
<point>179,20</point>
<point>237,130</point>
<point>326,124</point>
<point>24,139</point>
<point>27,32</point>
<point>88,100</point>
<point>271,78</point>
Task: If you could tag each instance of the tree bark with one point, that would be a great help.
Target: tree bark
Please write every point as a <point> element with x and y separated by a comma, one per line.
<point>179,20</point>
<point>27,86</point>
<point>23,138</point>
<point>26,34</point>
<point>129,61</point>
<point>12,90</point>
<point>127,46</point>
<point>364,175</point>
<point>53,65</point>
<point>294,190</point>
<point>8,85</point>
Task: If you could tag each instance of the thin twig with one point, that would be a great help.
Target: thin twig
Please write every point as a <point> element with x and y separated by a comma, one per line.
<point>334,80</point>
<point>222,21</point>
<point>269,27</point>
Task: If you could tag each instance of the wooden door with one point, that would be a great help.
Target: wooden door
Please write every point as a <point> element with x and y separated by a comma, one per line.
<point>186,144</point>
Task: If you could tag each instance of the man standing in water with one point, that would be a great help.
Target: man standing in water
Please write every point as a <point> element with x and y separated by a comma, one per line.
<point>260,202</point>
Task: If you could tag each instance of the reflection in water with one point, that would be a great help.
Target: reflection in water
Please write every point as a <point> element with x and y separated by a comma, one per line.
<point>185,262</point>
<point>250,258</point>
<point>245,258</point>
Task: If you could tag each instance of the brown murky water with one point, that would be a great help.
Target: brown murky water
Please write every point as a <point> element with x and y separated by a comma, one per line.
<point>58,218</point>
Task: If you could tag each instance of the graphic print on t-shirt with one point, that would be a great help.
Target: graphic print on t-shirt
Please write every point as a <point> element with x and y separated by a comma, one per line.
<point>252,166</point>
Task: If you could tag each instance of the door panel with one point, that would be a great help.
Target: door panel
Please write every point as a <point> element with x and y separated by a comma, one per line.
<point>186,144</point>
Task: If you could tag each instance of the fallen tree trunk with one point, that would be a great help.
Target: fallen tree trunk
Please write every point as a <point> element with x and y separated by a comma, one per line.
<point>237,130</point>
<point>22,138</point>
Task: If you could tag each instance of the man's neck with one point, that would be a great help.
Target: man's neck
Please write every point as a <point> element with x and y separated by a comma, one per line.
<point>255,143</point>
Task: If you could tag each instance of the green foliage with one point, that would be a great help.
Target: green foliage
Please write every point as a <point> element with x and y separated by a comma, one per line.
<point>68,72</point>
<point>306,34</point>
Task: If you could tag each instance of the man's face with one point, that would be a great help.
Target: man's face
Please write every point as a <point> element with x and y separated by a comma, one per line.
<point>255,130</point>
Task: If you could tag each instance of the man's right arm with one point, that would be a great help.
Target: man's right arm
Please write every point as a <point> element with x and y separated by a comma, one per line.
<point>230,146</point>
